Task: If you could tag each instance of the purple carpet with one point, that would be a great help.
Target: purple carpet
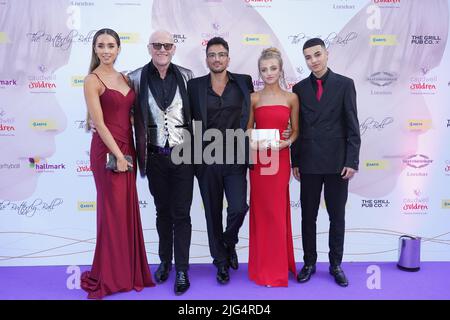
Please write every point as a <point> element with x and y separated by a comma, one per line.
<point>387,282</point>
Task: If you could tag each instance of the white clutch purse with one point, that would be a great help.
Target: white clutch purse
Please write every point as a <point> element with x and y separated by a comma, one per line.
<point>265,138</point>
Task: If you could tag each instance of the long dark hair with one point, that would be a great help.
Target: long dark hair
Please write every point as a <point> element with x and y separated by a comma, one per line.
<point>95,61</point>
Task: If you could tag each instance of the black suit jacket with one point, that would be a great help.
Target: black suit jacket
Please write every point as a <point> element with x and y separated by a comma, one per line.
<point>329,130</point>
<point>197,89</point>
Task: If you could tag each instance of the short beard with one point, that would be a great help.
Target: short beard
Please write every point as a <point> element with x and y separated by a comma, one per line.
<point>218,71</point>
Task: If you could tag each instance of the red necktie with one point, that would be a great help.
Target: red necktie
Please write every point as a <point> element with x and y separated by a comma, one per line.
<point>319,89</point>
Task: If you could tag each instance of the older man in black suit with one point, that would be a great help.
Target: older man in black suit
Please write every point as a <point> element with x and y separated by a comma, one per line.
<point>161,117</point>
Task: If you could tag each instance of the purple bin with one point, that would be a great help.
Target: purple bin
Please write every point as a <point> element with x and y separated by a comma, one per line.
<point>409,253</point>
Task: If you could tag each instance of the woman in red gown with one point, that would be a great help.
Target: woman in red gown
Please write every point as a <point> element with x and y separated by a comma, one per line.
<point>120,260</point>
<point>271,254</point>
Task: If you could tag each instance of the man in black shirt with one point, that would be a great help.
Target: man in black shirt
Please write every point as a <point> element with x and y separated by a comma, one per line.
<point>161,114</point>
<point>221,101</point>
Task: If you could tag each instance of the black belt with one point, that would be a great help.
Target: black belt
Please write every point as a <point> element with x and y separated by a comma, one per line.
<point>159,150</point>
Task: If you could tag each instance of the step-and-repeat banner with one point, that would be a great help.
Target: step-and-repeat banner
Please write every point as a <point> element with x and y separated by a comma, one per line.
<point>396,51</point>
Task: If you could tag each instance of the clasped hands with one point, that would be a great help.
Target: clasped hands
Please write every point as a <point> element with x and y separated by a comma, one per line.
<point>277,145</point>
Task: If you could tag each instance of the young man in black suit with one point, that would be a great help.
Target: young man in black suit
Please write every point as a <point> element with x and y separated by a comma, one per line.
<point>326,154</point>
<point>221,101</point>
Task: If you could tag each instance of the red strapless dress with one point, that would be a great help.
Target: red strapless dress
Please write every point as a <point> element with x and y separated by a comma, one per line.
<point>271,253</point>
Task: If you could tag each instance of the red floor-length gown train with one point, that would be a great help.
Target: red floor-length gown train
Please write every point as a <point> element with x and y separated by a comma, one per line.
<point>271,253</point>
<point>120,260</point>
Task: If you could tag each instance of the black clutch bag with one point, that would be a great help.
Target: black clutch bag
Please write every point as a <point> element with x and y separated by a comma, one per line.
<point>111,161</point>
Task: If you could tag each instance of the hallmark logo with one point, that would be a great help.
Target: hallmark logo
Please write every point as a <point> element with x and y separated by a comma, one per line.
<point>8,83</point>
<point>40,166</point>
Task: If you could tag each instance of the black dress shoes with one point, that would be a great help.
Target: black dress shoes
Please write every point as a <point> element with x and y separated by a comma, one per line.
<point>339,275</point>
<point>232,257</point>
<point>223,276</point>
<point>306,273</point>
<point>181,283</point>
<point>162,273</point>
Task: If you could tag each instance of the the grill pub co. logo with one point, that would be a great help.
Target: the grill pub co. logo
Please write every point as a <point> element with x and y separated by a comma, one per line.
<point>375,203</point>
<point>425,39</point>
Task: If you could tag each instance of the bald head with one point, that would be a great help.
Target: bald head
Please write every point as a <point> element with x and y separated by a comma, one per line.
<point>161,36</point>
